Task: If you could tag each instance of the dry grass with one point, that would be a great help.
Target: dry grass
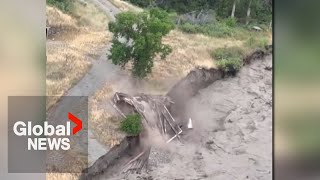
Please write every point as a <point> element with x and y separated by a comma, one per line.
<point>90,16</point>
<point>105,126</point>
<point>57,18</point>
<point>189,51</point>
<point>59,176</point>
<point>70,51</point>
<point>72,160</point>
<point>125,6</point>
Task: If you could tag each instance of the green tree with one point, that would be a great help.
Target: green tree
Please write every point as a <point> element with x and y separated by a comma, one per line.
<point>245,11</point>
<point>137,37</point>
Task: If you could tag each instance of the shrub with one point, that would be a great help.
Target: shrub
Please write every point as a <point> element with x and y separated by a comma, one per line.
<point>230,65</point>
<point>254,42</point>
<point>231,22</point>
<point>64,5</point>
<point>229,59</point>
<point>220,30</point>
<point>189,28</point>
<point>197,17</point>
<point>131,125</point>
<point>216,29</point>
<point>228,53</point>
<point>140,3</point>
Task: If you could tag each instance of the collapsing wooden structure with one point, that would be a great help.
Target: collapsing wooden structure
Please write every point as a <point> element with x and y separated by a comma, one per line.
<point>163,113</point>
<point>153,110</point>
<point>132,154</point>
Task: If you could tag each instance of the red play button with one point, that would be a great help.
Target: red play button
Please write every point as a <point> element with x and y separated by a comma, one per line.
<point>77,121</point>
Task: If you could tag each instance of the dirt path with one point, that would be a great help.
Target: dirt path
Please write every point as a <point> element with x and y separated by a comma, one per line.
<point>101,72</point>
<point>107,7</point>
<point>102,69</point>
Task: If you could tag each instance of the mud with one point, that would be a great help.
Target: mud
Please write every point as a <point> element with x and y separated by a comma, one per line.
<point>232,119</point>
<point>201,78</point>
<point>232,135</point>
<point>122,153</point>
<point>188,87</point>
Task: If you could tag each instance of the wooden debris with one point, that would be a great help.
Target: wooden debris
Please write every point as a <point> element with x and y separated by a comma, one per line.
<point>157,106</point>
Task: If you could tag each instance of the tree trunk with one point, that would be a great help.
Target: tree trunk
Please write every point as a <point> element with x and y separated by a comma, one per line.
<point>233,8</point>
<point>248,13</point>
<point>270,25</point>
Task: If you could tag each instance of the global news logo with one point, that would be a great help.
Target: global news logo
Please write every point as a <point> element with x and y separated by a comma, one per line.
<point>48,136</point>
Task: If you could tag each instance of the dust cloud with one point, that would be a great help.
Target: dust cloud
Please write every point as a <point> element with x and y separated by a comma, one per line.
<point>232,134</point>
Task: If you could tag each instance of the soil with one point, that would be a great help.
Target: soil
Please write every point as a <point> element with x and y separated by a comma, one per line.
<point>232,120</point>
<point>232,134</point>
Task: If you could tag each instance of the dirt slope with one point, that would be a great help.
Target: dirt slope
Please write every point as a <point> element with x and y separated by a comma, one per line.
<point>232,135</point>
<point>216,148</point>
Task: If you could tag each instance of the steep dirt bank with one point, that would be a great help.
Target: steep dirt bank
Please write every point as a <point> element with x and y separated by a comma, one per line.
<point>232,126</point>
<point>232,135</point>
<point>201,78</point>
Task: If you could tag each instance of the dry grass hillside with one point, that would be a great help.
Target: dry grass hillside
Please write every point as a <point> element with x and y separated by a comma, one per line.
<point>125,6</point>
<point>74,43</point>
<point>189,51</point>
<point>77,43</point>
<point>62,176</point>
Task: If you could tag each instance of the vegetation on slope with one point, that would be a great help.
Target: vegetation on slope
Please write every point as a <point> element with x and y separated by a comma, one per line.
<point>229,59</point>
<point>131,125</point>
<point>137,37</point>
<point>73,41</point>
<point>254,11</point>
<point>63,5</point>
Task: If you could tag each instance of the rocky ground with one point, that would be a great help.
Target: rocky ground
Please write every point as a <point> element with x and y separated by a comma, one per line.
<point>232,134</point>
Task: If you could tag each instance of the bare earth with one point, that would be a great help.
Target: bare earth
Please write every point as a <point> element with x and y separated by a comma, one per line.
<point>232,119</point>
<point>232,135</point>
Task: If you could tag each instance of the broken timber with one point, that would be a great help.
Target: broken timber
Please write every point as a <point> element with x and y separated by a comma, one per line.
<point>132,154</point>
<point>153,110</point>
<point>162,112</point>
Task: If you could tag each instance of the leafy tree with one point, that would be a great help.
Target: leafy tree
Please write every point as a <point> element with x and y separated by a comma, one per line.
<point>262,11</point>
<point>179,6</point>
<point>137,38</point>
<point>185,6</point>
<point>224,8</point>
<point>259,11</point>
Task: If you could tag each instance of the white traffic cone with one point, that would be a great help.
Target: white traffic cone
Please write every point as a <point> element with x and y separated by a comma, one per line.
<point>190,124</point>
